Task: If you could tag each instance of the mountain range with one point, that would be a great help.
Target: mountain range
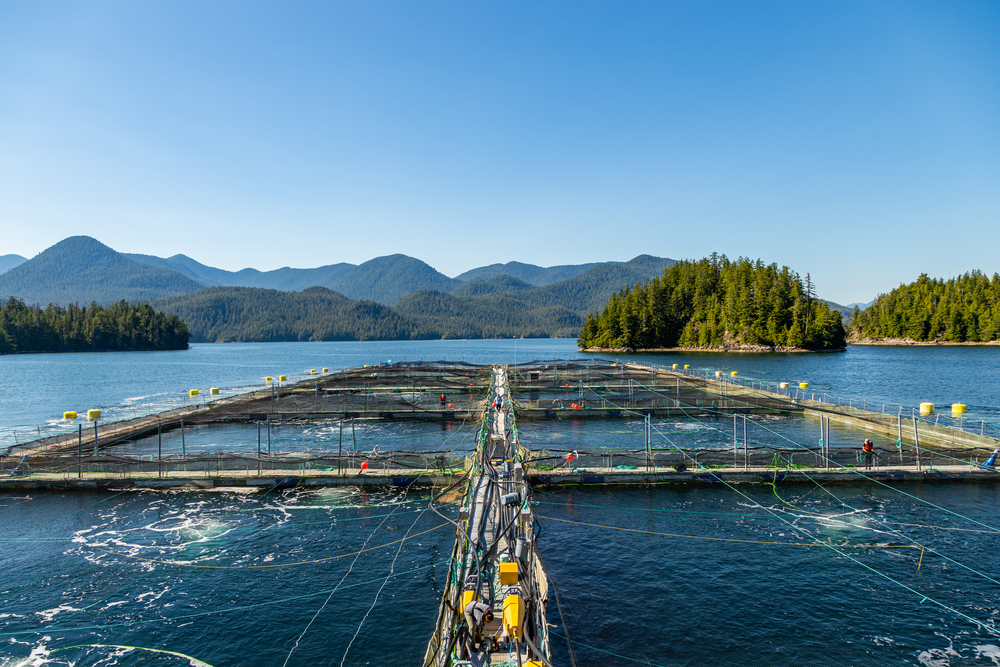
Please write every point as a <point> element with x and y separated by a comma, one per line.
<point>389,297</point>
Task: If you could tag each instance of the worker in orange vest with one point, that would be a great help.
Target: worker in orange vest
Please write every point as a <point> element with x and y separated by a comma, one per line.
<point>869,450</point>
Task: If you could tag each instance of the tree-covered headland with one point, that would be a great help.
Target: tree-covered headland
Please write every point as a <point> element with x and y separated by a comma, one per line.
<point>958,310</point>
<point>120,326</point>
<point>716,303</point>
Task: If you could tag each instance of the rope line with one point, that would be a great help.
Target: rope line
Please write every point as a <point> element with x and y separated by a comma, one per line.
<point>733,539</point>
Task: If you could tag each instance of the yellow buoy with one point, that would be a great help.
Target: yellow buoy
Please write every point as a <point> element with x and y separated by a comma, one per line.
<point>193,392</point>
<point>687,365</point>
<point>734,373</point>
<point>268,379</point>
<point>803,385</point>
<point>958,408</point>
<point>325,370</point>
<point>69,415</point>
<point>93,415</point>
<point>675,365</point>
<point>213,391</point>
<point>281,378</point>
<point>926,408</point>
<point>312,371</point>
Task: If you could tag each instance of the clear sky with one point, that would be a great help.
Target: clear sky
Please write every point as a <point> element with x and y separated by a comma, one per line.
<point>856,141</point>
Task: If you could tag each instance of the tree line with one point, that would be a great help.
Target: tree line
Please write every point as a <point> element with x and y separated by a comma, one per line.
<point>961,309</point>
<point>714,303</point>
<point>120,326</point>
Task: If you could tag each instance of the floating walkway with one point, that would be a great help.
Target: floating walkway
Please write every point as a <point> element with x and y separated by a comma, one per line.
<point>495,562</point>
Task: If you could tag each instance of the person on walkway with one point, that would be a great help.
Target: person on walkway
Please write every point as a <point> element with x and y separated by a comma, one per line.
<point>869,451</point>
<point>477,614</point>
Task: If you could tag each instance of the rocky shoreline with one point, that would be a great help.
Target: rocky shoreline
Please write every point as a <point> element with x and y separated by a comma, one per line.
<point>748,349</point>
<point>909,342</point>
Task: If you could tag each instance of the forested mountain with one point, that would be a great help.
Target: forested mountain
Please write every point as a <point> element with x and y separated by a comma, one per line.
<point>716,303</point>
<point>8,262</point>
<point>529,273</point>
<point>592,288</point>
<point>492,316</point>
<point>501,283</point>
<point>92,328</point>
<point>80,269</point>
<point>226,314</point>
<point>962,309</point>
<point>383,279</point>
<point>389,279</point>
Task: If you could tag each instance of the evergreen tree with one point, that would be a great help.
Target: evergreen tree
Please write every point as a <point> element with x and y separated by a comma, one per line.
<point>716,302</point>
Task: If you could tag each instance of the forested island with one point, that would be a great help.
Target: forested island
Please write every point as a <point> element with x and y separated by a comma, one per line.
<point>120,326</point>
<point>965,309</point>
<point>717,304</point>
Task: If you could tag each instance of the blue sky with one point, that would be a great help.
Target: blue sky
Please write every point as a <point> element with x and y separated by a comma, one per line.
<point>856,141</point>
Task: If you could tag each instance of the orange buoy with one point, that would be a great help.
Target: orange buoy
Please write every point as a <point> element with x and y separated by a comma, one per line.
<point>576,407</point>
<point>450,406</point>
<point>570,457</point>
<point>364,465</point>
<point>567,384</point>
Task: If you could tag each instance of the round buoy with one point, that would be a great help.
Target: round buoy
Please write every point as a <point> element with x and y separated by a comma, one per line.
<point>567,384</point>
<point>450,406</point>
<point>312,371</point>
<point>576,407</point>
<point>364,465</point>
<point>570,457</point>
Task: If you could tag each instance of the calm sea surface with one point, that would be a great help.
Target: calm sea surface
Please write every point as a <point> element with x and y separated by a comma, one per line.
<point>783,575</point>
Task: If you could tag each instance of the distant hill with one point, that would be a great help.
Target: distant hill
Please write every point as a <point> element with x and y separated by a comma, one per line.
<point>501,283</point>
<point>286,278</point>
<point>388,279</point>
<point>8,262</point>
<point>80,269</point>
<point>493,316</point>
<point>591,289</point>
<point>529,273</point>
<point>225,314</point>
<point>383,279</point>
<point>843,310</point>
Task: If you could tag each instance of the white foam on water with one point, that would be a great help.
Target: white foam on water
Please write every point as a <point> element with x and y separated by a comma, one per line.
<point>988,651</point>
<point>49,614</point>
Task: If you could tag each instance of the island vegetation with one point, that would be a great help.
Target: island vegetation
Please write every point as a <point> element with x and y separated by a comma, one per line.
<point>965,309</point>
<point>718,304</point>
<point>120,326</point>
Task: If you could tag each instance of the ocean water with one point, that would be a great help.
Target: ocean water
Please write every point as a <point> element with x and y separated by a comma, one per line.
<point>38,388</point>
<point>666,575</point>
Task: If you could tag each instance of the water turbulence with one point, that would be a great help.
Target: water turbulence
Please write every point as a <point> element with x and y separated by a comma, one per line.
<point>674,532</point>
